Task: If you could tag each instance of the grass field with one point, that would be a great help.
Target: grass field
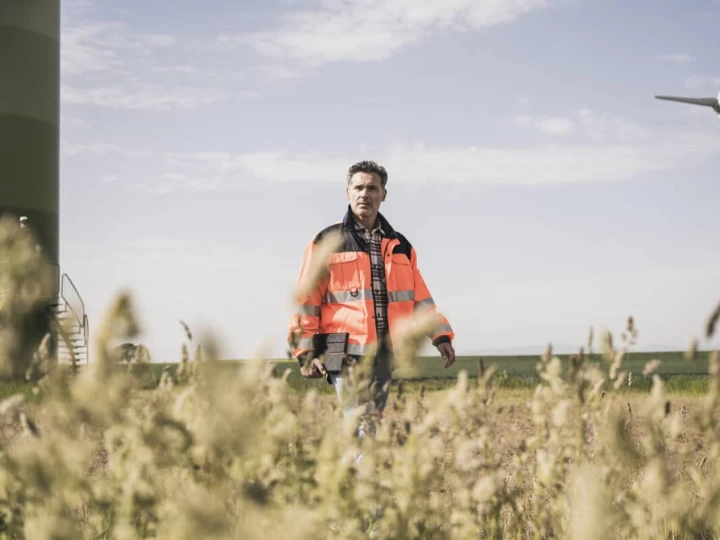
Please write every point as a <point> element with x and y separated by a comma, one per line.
<point>681,375</point>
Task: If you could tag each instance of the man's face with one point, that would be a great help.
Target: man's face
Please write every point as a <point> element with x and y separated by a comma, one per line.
<point>365,193</point>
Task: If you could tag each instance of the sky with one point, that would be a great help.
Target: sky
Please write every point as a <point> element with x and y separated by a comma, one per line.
<point>545,190</point>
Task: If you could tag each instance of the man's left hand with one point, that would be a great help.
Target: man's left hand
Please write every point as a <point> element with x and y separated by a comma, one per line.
<point>448,353</point>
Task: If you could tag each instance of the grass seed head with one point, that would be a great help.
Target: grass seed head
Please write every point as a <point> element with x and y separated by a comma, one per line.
<point>329,244</point>
<point>712,322</point>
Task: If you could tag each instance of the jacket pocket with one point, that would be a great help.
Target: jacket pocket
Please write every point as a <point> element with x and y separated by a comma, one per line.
<point>400,258</point>
<point>344,271</point>
<point>400,273</point>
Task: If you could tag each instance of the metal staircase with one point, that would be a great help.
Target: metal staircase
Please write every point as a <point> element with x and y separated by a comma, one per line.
<point>69,309</point>
<point>66,306</point>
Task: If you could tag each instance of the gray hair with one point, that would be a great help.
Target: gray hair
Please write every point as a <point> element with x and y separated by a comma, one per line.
<point>368,167</point>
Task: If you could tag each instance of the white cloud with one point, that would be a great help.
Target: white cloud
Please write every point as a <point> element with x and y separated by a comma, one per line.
<point>161,187</point>
<point>222,43</point>
<point>596,126</point>
<point>628,130</point>
<point>106,64</point>
<point>70,148</point>
<point>622,150</point>
<point>677,58</point>
<point>73,6</point>
<point>547,124</point>
<point>212,171</point>
<point>173,69</point>
<point>278,71</point>
<point>695,82</point>
<point>556,126</point>
<point>373,30</point>
<point>73,122</point>
<point>169,182</point>
<point>146,96</point>
<point>540,164</point>
<point>604,147</point>
<point>99,46</point>
<point>601,127</point>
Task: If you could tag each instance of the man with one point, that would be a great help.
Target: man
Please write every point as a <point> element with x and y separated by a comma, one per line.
<point>372,283</point>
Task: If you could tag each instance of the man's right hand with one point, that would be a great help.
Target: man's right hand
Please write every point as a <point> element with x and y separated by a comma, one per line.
<point>313,369</point>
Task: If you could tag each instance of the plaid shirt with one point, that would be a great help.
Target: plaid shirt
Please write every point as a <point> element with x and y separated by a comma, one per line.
<point>379,287</point>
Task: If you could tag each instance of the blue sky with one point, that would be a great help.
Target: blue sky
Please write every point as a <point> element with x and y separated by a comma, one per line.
<point>545,189</point>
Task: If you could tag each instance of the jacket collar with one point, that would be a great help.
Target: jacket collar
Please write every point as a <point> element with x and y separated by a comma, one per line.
<point>349,223</point>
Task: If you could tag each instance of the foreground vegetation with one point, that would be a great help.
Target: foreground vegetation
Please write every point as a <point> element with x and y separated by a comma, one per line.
<point>233,453</point>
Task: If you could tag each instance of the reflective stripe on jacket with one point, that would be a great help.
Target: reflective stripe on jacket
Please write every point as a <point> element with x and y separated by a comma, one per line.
<point>343,300</point>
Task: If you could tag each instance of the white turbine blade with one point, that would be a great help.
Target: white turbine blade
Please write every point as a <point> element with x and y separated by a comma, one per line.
<point>706,102</point>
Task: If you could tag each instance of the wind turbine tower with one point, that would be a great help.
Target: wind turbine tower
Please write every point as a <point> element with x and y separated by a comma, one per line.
<point>30,144</point>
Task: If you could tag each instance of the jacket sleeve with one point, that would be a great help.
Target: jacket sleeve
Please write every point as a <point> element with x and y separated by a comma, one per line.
<point>443,333</point>
<point>305,322</point>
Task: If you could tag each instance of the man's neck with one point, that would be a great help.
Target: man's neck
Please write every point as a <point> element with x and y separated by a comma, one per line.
<point>368,223</point>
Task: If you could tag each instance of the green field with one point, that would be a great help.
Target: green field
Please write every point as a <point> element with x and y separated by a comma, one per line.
<point>681,375</point>
<point>512,371</point>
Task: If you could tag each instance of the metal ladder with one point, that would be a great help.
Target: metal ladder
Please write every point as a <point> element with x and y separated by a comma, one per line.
<point>69,309</point>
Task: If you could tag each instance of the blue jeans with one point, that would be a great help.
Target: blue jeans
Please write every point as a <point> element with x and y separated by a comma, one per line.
<point>373,399</point>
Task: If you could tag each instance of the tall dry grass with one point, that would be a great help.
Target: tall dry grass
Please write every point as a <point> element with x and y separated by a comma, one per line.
<point>220,454</point>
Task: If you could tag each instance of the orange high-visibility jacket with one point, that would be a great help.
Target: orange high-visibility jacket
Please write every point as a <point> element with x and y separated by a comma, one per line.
<point>343,300</point>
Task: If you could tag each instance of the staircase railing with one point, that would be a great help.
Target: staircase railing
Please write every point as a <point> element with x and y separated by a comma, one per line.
<point>72,298</point>
<point>74,302</point>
